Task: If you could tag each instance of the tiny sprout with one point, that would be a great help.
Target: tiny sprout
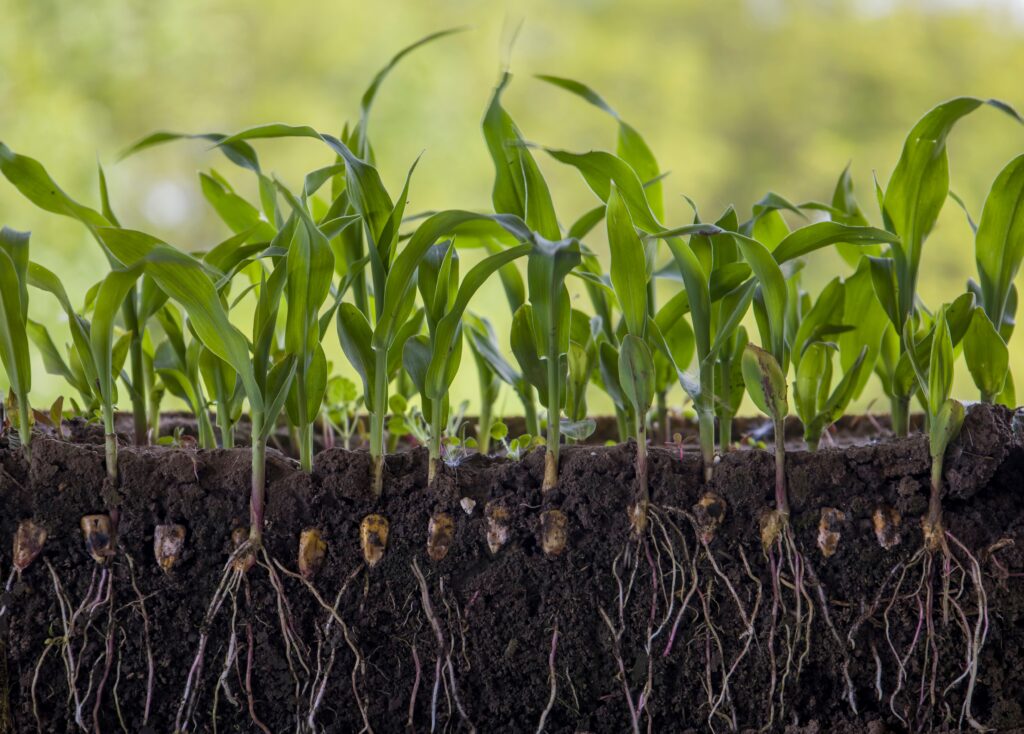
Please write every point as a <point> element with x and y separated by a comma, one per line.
<point>499,431</point>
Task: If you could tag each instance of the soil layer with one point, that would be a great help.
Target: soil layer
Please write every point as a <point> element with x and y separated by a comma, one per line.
<point>497,641</point>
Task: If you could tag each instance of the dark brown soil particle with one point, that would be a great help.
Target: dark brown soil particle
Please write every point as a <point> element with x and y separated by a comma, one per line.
<point>650,630</point>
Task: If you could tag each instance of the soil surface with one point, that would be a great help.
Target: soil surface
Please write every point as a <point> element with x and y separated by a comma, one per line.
<point>662,629</point>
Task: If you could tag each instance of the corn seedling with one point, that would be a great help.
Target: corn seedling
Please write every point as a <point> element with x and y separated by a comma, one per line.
<point>816,403</point>
<point>432,360</point>
<point>999,251</point>
<point>911,202</point>
<point>14,352</point>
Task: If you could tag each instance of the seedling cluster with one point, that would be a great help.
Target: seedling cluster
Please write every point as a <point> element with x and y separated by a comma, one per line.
<point>342,258</point>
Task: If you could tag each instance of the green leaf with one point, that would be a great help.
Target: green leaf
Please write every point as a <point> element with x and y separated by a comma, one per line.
<point>631,147</point>
<point>239,153</point>
<point>629,265</point>
<point>35,184</point>
<point>526,349</point>
<point>945,426</point>
<point>765,382</point>
<point>549,264</point>
<point>356,341</point>
<point>919,187</point>
<point>886,287</point>
<point>447,336</point>
<point>940,365</point>
<point>366,103</point>
<point>278,384</point>
<point>636,373</point>
<point>986,354</point>
<point>999,245</point>
<point>837,402</point>
<point>519,187</point>
<point>112,293</point>
<point>822,234</point>
<point>401,276</point>
<point>773,288</point>
<point>602,170</point>
<point>14,311</point>
<point>416,361</point>
<point>813,374</point>
<point>579,430</point>
<point>183,279</point>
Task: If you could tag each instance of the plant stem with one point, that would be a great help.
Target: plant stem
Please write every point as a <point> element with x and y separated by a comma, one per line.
<point>643,491</point>
<point>554,417</point>
<point>139,420</point>
<point>306,447</point>
<point>483,424</point>
<point>153,397</point>
<point>725,432</point>
<point>25,426</point>
<point>227,429</point>
<point>935,498</point>
<point>706,418</point>
<point>899,409</point>
<point>706,431</point>
<point>110,442</point>
<point>207,439</point>
<point>530,410</point>
<point>662,416</point>
<point>621,421</point>
<point>781,498</point>
<point>436,429</point>
<point>257,497</point>
<point>377,421</point>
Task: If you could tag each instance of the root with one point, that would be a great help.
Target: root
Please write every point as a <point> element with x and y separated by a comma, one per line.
<point>552,680</point>
<point>227,589</point>
<point>245,556</point>
<point>953,574</point>
<point>442,648</point>
<point>323,671</point>
<point>720,704</point>
<point>792,619</point>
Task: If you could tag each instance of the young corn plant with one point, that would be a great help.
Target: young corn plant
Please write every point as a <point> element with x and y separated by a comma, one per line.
<point>35,184</point>
<point>14,354</point>
<point>942,555</point>
<point>764,373</point>
<point>266,384</point>
<point>817,404</point>
<point>910,204</point>
<point>631,266</point>
<point>432,360</point>
<point>999,251</point>
<point>492,370</point>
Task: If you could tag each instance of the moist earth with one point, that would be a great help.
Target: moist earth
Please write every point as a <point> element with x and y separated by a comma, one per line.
<point>497,639</point>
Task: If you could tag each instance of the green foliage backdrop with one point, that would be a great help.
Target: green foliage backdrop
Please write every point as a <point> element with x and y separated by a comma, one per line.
<point>736,98</point>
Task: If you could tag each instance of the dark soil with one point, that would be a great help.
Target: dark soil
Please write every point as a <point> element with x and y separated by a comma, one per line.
<point>497,613</point>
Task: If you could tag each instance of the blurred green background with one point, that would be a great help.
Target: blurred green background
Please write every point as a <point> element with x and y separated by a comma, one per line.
<point>736,97</point>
